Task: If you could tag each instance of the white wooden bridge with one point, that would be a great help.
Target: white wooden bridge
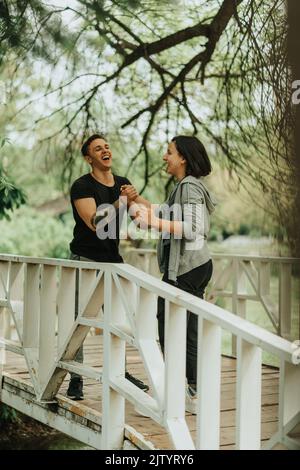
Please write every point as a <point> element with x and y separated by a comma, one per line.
<point>241,403</point>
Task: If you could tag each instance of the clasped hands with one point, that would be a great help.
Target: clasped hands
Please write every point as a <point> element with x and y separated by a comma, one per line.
<point>143,216</point>
<point>129,191</point>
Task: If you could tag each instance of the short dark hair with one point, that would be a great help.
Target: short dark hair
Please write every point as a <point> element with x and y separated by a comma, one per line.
<point>193,151</point>
<point>85,145</point>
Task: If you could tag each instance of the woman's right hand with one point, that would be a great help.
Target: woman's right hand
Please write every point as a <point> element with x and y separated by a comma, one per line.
<point>143,217</point>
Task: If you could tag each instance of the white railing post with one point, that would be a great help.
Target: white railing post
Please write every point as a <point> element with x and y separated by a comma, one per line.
<point>264,278</point>
<point>113,404</point>
<point>31,318</point>
<point>248,396</point>
<point>5,317</point>
<point>154,268</point>
<point>66,304</point>
<point>6,323</point>
<point>4,269</point>
<point>221,277</point>
<point>31,306</point>
<point>289,398</point>
<point>146,263</point>
<point>285,297</point>
<point>47,322</point>
<point>264,296</point>
<point>175,369</point>
<point>239,287</point>
<point>238,304</point>
<point>146,337</point>
<point>86,278</point>
<point>16,295</point>
<point>209,385</point>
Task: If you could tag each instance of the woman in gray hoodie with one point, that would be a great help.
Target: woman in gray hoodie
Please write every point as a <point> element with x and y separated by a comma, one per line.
<point>183,254</point>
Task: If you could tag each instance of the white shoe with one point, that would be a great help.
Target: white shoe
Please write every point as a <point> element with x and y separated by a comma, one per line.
<point>191,400</point>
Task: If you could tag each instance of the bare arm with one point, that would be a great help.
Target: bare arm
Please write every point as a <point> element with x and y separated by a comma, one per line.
<point>192,225</point>
<point>143,201</point>
<point>146,218</point>
<point>163,225</point>
<point>86,209</point>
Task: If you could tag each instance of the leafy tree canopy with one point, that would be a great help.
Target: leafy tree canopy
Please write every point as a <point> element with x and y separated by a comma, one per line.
<point>145,70</point>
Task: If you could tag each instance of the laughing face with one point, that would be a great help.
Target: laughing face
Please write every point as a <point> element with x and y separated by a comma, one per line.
<point>175,163</point>
<point>100,154</point>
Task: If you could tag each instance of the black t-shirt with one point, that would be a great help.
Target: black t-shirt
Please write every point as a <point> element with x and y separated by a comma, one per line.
<point>85,242</point>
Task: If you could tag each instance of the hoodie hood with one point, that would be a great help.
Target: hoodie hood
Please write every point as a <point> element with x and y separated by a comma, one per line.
<point>210,200</point>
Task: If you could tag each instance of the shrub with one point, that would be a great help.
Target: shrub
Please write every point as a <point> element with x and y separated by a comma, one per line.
<point>31,233</point>
<point>244,229</point>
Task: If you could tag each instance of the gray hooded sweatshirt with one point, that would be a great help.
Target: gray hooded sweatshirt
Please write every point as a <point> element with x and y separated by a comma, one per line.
<point>193,205</point>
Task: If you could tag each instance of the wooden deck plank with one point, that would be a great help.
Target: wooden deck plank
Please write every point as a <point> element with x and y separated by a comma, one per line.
<point>93,352</point>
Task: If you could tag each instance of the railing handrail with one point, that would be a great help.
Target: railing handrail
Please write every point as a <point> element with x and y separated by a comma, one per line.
<point>42,260</point>
<point>238,326</point>
<point>248,331</point>
<point>275,259</point>
<point>50,261</point>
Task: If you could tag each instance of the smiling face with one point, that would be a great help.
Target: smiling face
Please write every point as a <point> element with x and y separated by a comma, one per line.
<point>99,154</point>
<point>176,164</point>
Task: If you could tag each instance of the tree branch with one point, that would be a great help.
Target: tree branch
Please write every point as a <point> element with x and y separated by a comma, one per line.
<point>148,49</point>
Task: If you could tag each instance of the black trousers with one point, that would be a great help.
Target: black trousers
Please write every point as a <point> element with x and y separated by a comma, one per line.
<point>194,282</point>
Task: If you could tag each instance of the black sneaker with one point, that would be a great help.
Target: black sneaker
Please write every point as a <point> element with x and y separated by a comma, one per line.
<point>192,389</point>
<point>191,399</point>
<point>136,382</point>
<point>75,389</point>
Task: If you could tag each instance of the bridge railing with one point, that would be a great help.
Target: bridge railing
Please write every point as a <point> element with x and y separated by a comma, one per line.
<point>121,300</point>
<point>272,282</point>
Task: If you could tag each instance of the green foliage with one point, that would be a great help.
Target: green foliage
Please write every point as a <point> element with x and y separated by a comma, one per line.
<point>11,196</point>
<point>20,22</point>
<point>7,415</point>
<point>244,229</point>
<point>31,233</point>
<point>214,234</point>
<point>83,56</point>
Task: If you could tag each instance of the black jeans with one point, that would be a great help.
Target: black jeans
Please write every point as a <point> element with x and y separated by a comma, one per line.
<point>79,355</point>
<point>194,282</point>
